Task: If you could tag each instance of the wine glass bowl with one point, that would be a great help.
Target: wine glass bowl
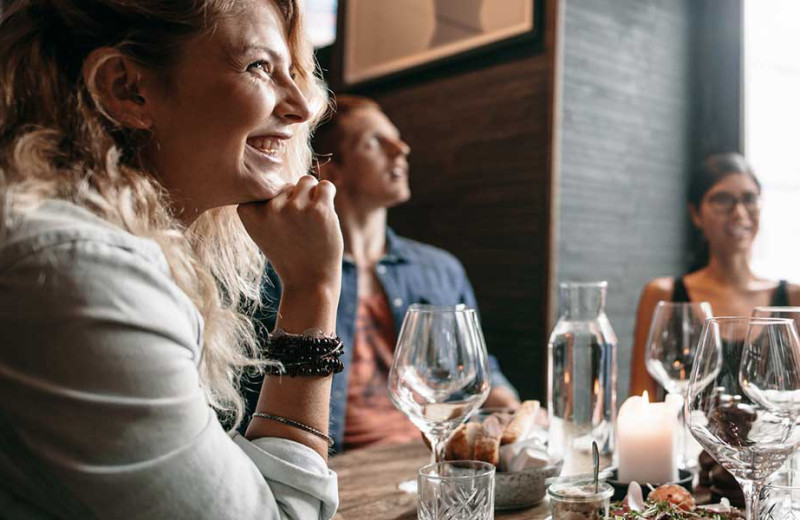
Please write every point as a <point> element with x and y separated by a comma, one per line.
<point>751,438</point>
<point>440,371</point>
<point>671,350</point>
<point>792,313</point>
<point>672,342</point>
<point>772,383</point>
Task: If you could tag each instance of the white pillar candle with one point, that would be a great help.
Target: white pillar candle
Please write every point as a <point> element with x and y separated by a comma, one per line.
<point>646,441</point>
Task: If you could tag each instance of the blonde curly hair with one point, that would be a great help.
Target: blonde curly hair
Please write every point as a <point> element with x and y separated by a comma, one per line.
<point>56,142</point>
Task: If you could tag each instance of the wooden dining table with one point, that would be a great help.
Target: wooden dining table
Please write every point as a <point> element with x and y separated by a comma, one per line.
<point>368,481</point>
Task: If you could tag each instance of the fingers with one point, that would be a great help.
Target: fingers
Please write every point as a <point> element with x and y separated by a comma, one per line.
<point>300,196</point>
<point>302,193</point>
<point>324,192</point>
<point>309,190</point>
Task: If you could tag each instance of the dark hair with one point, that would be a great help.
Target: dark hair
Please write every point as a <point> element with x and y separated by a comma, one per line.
<point>327,139</point>
<point>711,171</point>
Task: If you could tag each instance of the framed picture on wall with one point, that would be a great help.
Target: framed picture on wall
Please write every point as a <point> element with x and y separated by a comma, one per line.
<point>383,38</point>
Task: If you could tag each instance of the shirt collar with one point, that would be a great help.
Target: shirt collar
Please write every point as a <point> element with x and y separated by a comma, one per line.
<point>396,250</point>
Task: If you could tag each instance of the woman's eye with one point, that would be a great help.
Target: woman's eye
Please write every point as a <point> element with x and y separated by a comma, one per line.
<point>261,65</point>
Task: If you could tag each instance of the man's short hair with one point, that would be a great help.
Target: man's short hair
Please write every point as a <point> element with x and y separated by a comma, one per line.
<point>327,139</point>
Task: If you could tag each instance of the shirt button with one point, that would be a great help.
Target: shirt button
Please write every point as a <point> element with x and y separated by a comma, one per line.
<point>397,302</point>
<point>381,269</point>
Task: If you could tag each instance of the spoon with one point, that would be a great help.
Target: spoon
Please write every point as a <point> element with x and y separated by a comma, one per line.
<point>596,468</point>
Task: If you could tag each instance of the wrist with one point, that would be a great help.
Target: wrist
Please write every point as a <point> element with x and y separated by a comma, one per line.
<point>309,307</point>
<point>321,292</point>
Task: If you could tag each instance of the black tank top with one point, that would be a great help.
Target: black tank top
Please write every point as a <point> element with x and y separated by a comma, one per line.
<point>780,296</point>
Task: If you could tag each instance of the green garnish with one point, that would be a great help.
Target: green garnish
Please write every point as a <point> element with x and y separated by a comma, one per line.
<point>667,511</point>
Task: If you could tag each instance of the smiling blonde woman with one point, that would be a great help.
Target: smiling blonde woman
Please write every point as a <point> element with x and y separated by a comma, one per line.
<point>130,134</point>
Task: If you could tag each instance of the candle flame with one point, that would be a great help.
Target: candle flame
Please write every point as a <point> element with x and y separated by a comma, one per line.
<point>645,397</point>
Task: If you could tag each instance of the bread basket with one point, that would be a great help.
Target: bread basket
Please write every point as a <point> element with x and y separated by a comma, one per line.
<point>525,488</point>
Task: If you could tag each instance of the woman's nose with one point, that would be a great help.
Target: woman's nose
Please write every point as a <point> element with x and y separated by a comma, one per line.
<point>295,107</point>
<point>740,211</point>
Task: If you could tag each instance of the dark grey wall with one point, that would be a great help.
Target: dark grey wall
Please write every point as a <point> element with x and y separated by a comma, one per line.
<point>625,150</point>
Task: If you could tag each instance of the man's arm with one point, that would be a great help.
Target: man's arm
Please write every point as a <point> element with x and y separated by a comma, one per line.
<point>503,394</point>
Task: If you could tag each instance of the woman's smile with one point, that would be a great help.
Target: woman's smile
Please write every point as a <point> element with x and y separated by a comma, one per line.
<point>271,147</point>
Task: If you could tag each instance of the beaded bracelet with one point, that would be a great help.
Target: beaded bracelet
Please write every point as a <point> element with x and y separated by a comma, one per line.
<point>304,354</point>
<point>320,368</point>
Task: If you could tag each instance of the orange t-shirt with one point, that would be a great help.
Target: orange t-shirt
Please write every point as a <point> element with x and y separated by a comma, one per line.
<point>371,417</point>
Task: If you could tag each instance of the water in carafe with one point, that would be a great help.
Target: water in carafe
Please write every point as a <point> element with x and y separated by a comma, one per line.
<point>582,377</point>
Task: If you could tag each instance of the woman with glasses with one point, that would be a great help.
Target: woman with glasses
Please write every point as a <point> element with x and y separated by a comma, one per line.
<point>724,205</point>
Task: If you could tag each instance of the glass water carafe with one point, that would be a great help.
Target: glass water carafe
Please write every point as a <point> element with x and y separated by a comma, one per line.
<point>581,377</point>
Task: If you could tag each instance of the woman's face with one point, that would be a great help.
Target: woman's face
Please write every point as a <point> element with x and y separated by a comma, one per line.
<point>729,214</point>
<point>222,125</point>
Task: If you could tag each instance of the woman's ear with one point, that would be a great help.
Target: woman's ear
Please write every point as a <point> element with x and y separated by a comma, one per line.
<point>694,213</point>
<point>117,86</point>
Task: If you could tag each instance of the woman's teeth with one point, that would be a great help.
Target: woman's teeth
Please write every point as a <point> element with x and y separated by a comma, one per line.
<point>268,145</point>
<point>739,231</point>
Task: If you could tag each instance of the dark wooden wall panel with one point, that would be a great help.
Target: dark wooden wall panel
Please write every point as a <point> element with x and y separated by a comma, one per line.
<point>480,177</point>
<point>626,149</point>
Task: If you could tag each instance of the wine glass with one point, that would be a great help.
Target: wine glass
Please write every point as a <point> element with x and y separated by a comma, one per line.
<point>740,405</point>
<point>671,349</point>
<point>793,313</point>
<point>440,371</point>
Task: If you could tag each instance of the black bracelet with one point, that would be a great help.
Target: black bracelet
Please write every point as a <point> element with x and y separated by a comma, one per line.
<point>284,345</point>
<point>319,368</point>
<point>298,351</point>
<point>303,355</point>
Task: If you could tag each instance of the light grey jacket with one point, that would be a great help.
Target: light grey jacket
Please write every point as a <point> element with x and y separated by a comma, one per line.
<point>101,410</point>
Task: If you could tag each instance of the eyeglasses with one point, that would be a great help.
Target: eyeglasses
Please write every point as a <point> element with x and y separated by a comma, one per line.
<point>725,202</point>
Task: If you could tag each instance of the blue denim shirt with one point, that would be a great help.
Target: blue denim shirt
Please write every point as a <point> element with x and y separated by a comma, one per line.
<point>410,272</point>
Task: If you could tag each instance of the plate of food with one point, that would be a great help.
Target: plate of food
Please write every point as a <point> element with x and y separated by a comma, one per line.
<point>669,502</point>
<point>513,442</point>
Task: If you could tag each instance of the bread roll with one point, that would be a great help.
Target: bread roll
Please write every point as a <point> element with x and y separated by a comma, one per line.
<point>487,441</point>
<point>523,419</point>
<point>462,443</point>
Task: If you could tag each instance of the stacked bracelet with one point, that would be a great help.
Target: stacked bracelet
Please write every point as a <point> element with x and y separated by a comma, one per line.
<point>304,355</point>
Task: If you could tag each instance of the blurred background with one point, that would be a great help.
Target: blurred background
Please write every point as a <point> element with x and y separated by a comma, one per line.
<point>554,139</point>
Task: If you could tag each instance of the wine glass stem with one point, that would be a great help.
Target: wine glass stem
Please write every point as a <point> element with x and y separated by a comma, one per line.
<point>684,445</point>
<point>438,444</point>
<point>752,496</point>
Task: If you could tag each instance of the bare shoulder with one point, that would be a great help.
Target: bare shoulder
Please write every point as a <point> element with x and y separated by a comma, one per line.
<point>658,289</point>
<point>794,294</point>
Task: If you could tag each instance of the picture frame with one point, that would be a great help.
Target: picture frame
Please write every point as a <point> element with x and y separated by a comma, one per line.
<point>383,39</point>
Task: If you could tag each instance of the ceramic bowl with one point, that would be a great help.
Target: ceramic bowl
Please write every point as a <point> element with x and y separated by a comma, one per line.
<point>519,489</point>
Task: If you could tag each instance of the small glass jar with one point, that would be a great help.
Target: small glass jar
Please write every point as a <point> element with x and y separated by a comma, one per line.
<point>578,500</point>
